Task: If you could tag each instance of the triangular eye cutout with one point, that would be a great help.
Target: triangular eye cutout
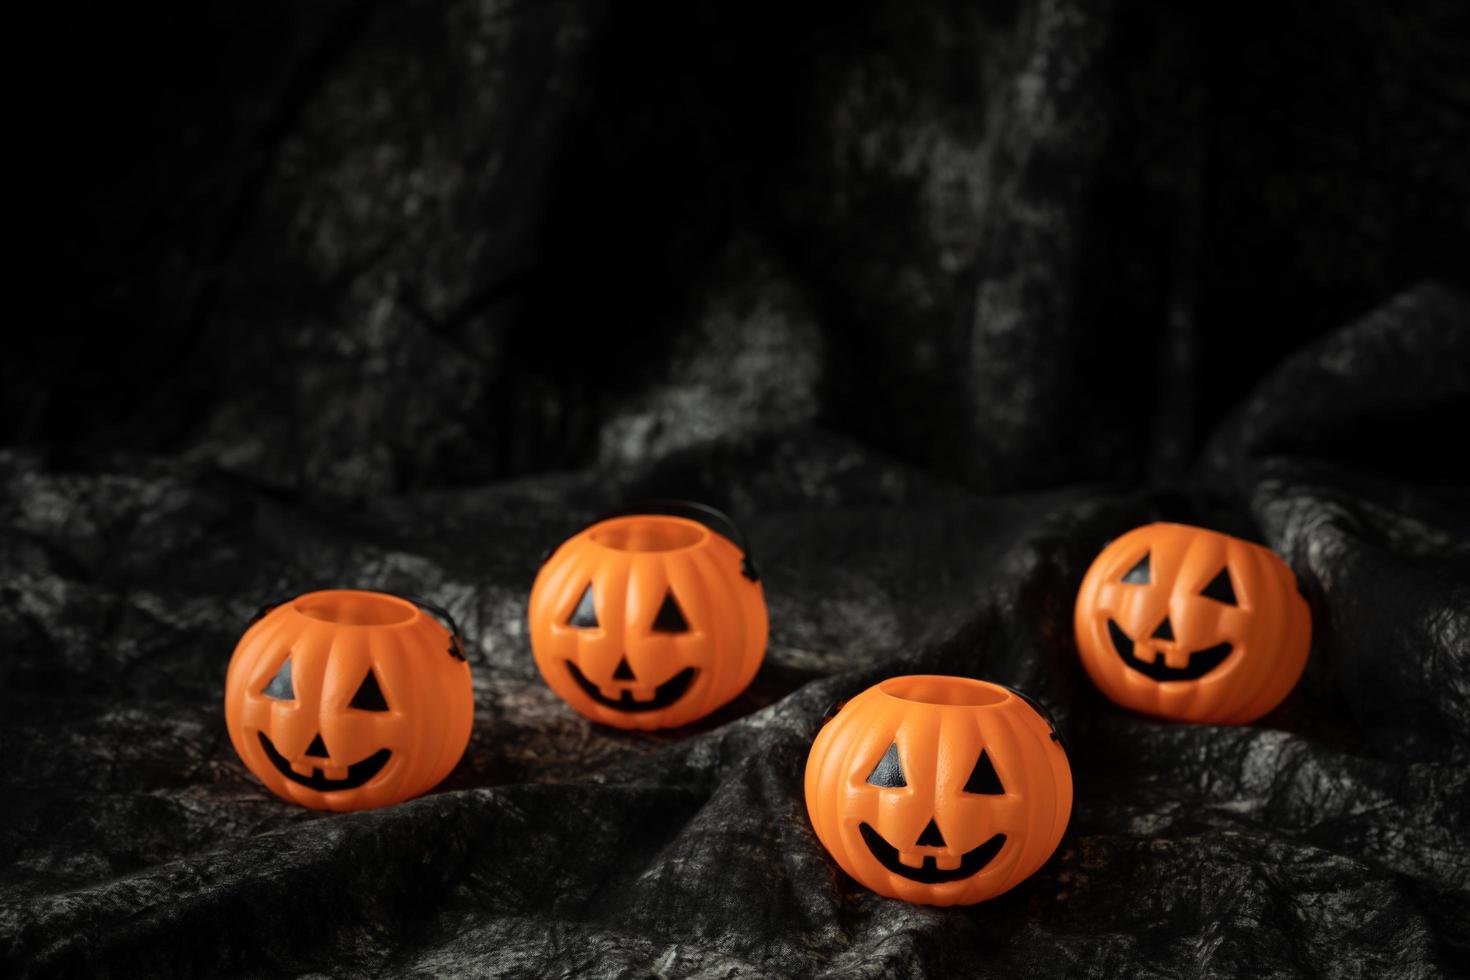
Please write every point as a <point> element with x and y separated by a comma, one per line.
<point>984,779</point>
<point>1220,589</point>
<point>888,773</point>
<point>1139,574</point>
<point>369,696</point>
<point>670,618</point>
<point>585,615</point>
<point>280,686</point>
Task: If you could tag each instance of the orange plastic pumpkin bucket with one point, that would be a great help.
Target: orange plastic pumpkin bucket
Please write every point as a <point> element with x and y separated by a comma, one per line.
<point>652,617</point>
<point>939,790</point>
<point>346,699</point>
<point>1192,625</point>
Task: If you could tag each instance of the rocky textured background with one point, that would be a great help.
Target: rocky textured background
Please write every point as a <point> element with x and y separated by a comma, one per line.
<point>936,298</point>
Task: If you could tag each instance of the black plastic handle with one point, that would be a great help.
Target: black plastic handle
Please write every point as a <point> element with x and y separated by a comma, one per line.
<point>1040,709</point>
<point>456,638</point>
<point>712,518</point>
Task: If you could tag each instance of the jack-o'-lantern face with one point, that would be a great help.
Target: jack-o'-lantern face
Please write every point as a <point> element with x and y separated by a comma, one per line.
<point>624,691</point>
<point>940,790</point>
<point>647,621</point>
<point>314,767</point>
<point>345,699</point>
<point>1160,655</point>
<point>1192,624</point>
<point>930,846</point>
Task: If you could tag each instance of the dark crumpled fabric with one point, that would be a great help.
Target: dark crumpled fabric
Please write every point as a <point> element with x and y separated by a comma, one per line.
<point>937,299</point>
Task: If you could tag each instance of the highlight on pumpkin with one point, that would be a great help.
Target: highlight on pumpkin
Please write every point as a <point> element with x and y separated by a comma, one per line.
<point>1192,625</point>
<point>938,790</point>
<point>346,699</point>
<point>648,620</point>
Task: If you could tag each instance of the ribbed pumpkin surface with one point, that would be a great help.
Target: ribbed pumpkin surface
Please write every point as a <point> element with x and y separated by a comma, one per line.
<point>922,776</point>
<point>333,680</point>
<point>647,622</point>
<point>1165,601</point>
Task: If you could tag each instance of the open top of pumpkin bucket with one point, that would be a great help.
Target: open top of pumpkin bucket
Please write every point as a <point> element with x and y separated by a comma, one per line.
<point>670,525</point>
<point>355,607</point>
<point>648,533</point>
<point>944,691</point>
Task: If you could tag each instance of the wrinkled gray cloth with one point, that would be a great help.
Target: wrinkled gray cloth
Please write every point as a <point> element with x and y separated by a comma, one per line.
<point>1330,839</point>
<point>936,301</point>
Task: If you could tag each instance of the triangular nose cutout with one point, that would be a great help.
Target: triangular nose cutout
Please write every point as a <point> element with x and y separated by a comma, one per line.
<point>318,748</point>
<point>1165,631</point>
<point>931,837</point>
<point>624,671</point>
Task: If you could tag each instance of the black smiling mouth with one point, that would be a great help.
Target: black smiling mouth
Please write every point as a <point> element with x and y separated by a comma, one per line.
<point>1201,662</point>
<point>357,774</point>
<point>931,874</point>
<point>664,695</point>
